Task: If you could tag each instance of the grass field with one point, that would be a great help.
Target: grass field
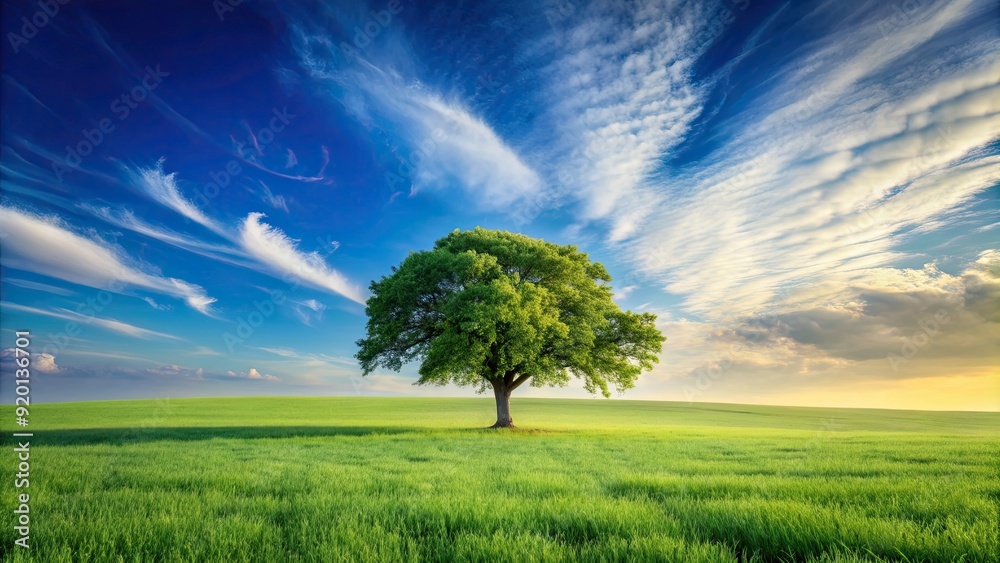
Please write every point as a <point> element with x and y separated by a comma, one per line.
<point>401,479</point>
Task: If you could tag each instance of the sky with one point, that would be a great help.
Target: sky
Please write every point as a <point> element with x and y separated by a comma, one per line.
<point>196,195</point>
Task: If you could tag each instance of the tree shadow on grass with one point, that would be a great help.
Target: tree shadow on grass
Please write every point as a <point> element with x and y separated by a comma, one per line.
<point>132,435</point>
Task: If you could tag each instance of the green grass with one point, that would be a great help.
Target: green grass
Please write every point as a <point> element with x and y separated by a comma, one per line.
<point>396,479</point>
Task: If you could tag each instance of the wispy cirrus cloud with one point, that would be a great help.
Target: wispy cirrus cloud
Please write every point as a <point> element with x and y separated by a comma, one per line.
<point>274,200</point>
<point>308,311</point>
<point>256,245</point>
<point>828,166</point>
<point>448,146</point>
<point>314,368</point>
<point>37,286</point>
<point>107,324</point>
<point>624,99</point>
<point>162,187</point>
<point>293,354</point>
<point>126,219</point>
<point>460,150</point>
<point>204,351</point>
<point>45,246</point>
<point>280,254</point>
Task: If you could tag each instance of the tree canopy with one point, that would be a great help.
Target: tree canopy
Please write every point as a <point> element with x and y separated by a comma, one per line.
<point>496,309</point>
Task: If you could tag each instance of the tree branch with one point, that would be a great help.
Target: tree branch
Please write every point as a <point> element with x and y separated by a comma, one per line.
<point>517,382</point>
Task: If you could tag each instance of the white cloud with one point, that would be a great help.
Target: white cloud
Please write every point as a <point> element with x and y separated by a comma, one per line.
<point>44,246</point>
<point>313,304</point>
<point>174,370</point>
<point>42,362</point>
<point>113,355</point>
<point>107,324</point>
<point>458,149</point>
<point>280,254</point>
<point>163,188</point>
<point>313,368</point>
<point>252,374</point>
<point>333,360</point>
<point>624,292</point>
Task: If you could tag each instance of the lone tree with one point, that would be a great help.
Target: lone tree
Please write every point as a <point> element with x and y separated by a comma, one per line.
<point>497,309</point>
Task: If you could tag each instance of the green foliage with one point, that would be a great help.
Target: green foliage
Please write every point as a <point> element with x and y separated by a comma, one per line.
<point>407,479</point>
<point>493,307</point>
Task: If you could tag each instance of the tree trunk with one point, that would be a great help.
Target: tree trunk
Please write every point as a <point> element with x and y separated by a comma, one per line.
<point>502,394</point>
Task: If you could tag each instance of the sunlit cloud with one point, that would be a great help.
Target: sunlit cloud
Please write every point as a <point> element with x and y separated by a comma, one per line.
<point>41,362</point>
<point>252,373</point>
<point>893,325</point>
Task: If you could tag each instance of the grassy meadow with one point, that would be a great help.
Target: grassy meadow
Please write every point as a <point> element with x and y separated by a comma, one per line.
<point>407,479</point>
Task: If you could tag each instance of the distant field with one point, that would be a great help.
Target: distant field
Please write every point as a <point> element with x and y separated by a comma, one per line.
<point>405,479</point>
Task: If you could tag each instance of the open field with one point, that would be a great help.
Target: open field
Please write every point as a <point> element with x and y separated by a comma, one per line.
<point>327,479</point>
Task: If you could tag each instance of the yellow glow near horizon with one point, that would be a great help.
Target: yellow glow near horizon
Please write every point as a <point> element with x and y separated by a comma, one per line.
<point>976,392</point>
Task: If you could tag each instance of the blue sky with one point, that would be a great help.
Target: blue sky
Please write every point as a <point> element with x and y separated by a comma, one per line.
<point>195,195</point>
